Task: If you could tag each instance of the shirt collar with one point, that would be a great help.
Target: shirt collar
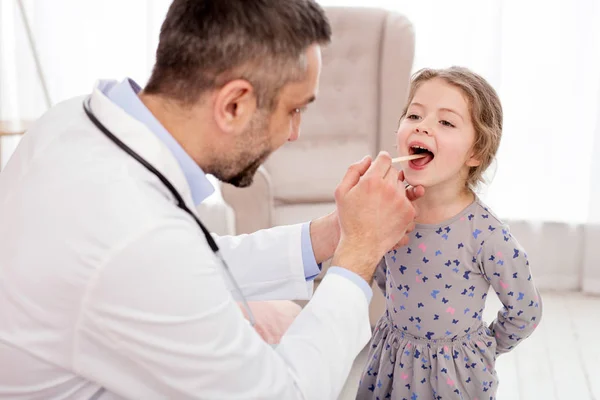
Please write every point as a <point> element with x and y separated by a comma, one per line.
<point>125,95</point>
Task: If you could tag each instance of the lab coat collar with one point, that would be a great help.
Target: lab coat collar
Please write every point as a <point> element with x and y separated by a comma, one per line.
<point>140,139</point>
<point>125,95</point>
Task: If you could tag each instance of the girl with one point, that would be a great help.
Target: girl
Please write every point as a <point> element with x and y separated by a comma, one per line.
<point>431,343</point>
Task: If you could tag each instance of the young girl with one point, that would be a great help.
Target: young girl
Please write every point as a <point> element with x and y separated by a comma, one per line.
<point>431,343</point>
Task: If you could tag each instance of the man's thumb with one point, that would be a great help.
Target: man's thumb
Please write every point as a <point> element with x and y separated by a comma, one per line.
<point>355,171</point>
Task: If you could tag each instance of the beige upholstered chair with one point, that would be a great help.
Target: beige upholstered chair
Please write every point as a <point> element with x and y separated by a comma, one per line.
<point>363,87</point>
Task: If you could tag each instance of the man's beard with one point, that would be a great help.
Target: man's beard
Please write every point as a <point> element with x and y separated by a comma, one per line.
<point>245,177</point>
<point>240,171</point>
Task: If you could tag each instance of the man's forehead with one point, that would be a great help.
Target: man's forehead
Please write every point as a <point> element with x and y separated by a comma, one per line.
<point>299,93</point>
<point>305,90</point>
<point>302,91</point>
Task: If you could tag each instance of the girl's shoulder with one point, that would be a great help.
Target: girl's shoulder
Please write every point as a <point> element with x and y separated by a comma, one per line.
<point>476,222</point>
<point>486,227</point>
<point>483,214</point>
<point>475,214</point>
<point>470,228</point>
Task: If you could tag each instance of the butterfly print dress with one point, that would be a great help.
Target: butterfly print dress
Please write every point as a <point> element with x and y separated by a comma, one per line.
<point>431,343</point>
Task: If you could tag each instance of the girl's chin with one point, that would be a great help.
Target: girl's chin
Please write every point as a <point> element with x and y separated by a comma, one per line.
<point>414,181</point>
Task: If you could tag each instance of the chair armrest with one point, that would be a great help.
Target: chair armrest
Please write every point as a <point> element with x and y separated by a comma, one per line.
<point>253,205</point>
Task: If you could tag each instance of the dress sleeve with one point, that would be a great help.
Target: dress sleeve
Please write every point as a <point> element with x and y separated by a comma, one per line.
<point>505,265</point>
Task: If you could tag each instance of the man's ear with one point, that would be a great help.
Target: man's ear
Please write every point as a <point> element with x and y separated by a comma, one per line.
<point>234,106</point>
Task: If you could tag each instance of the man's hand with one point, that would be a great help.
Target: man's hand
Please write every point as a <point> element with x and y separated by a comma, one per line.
<point>272,318</point>
<point>374,214</point>
<point>325,231</point>
<point>412,194</point>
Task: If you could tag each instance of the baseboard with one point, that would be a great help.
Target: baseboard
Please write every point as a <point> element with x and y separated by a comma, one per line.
<point>591,286</point>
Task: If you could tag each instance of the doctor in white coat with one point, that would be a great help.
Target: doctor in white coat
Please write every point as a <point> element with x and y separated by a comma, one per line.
<point>108,287</point>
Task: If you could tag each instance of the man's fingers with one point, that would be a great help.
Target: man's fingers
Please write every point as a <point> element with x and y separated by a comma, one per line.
<point>405,239</point>
<point>355,171</point>
<point>363,165</point>
<point>381,166</point>
<point>401,176</point>
<point>392,176</point>
<point>403,242</point>
<point>413,193</point>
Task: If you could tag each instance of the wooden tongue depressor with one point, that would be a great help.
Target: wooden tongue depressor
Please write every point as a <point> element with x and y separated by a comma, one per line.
<point>407,158</point>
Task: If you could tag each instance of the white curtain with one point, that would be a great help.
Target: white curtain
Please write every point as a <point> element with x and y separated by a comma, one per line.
<point>78,42</point>
<point>591,252</point>
<point>543,57</point>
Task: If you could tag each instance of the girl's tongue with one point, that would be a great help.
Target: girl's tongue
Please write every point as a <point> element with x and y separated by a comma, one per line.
<point>420,162</point>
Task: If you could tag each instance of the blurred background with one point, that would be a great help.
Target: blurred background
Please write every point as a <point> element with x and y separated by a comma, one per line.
<point>543,57</point>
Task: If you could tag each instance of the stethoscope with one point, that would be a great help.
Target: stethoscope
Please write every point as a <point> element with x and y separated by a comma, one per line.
<point>178,199</point>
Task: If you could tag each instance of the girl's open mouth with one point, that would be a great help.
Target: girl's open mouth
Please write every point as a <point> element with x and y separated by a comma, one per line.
<point>420,162</point>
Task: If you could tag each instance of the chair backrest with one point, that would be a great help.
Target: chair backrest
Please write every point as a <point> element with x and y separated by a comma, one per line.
<point>363,87</point>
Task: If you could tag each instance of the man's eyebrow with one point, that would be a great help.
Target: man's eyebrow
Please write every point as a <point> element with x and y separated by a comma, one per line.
<point>310,99</point>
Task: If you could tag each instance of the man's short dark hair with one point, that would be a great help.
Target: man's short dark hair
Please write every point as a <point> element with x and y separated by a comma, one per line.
<point>206,43</point>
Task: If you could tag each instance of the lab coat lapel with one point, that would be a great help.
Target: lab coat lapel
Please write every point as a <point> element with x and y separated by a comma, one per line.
<point>141,140</point>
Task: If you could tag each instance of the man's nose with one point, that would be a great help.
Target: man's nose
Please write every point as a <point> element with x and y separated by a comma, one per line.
<point>294,129</point>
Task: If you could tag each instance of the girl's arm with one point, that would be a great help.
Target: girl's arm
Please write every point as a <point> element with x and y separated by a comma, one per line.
<point>505,265</point>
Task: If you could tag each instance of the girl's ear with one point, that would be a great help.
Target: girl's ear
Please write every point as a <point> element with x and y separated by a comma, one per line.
<point>473,160</point>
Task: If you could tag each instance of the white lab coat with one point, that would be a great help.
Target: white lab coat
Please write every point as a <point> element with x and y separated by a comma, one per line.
<point>105,283</point>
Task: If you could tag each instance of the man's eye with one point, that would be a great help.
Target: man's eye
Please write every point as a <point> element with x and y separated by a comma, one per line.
<point>446,123</point>
<point>298,110</point>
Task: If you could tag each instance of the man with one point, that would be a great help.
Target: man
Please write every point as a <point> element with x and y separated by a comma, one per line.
<point>109,290</point>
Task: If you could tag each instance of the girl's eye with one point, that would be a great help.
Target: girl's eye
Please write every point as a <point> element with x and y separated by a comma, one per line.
<point>414,117</point>
<point>446,123</point>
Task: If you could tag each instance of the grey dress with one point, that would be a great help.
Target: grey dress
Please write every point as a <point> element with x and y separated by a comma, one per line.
<point>431,342</point>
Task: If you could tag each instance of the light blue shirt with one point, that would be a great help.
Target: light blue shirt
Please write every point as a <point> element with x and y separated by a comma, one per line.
<point>125,95</point>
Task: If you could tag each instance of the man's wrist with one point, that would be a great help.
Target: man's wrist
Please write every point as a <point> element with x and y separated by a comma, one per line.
<point>354,278</point>
<point>324,236</point>
<point>357,259</point>
<point>311,268</point>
